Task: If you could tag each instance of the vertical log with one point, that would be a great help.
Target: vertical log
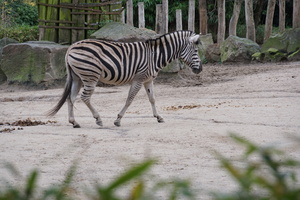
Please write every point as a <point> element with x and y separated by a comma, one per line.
<point>79,22</point>
<point>141,15</point>
<point>281,15</point>
<point>51,34</point>
<point>191,19</point>
<point>221,21</point>
<point>269,19</point>
<point>42,16</point>
<point>203,17</point>
<point>123,17</point>
<point>178,19</point>
<point>235,17</point>
<point>158,21</point>
<point>129,16</point>
<point>165,16</point>
<point>250,25</point>
<point>64,35</point>
<point>296,14</point>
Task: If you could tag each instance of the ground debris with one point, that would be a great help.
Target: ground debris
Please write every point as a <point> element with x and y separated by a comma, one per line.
<point>27,122</point>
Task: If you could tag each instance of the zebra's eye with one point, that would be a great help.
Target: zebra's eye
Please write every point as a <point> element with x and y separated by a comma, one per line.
<point>197,42</point>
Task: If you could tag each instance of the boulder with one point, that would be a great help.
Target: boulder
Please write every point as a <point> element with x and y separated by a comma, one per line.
<point>212,53</point>
<point>236,49</point>
<point>33,62</point>
<point>120,32</point>
<point>3,42</point>
<point>282,46</point>
<point>205,41</point>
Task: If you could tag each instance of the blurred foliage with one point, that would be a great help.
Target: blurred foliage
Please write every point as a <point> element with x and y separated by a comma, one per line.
<point>20,33</point>
<point>262,173</point>
<point>18,12</point>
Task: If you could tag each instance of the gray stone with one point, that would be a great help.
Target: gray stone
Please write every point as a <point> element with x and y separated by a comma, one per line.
<point>282,46</point>
<point>120,32</point>
<point>205,41</point>
<point>33,62</point>
<point>236,49</point>
<point>3,42</point>
<point>212,53</point>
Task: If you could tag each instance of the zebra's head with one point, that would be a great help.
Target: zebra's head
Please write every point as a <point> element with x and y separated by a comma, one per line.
<point>189,54</point>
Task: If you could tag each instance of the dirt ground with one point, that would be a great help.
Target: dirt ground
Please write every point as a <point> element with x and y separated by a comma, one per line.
<point>260,102</point>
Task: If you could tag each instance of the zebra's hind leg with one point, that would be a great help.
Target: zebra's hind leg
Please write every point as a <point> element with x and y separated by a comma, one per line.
<point>150,92</point>
<point>76,85</point>
<point>86,98</point>
<point>134,89</point>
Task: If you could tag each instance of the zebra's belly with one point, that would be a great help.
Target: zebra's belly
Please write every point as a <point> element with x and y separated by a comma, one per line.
<point>114,82</point>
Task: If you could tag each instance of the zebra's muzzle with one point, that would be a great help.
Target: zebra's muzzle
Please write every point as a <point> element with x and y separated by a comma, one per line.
<point>197,70</point>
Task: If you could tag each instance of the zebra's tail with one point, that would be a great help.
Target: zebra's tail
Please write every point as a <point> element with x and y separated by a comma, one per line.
<point>64,96</point>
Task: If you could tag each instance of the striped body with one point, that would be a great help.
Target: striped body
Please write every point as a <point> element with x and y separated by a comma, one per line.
<point>116,63</point>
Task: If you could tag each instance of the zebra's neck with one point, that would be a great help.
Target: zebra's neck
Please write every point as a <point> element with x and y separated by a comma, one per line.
<point>167,48</point>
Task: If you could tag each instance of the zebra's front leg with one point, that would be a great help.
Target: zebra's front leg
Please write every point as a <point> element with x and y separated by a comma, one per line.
<point>134,89</point>
<point>150,92</point>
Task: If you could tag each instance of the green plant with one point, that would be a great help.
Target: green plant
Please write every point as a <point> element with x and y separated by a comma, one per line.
<point>267,173</point>
<point>20,33</point>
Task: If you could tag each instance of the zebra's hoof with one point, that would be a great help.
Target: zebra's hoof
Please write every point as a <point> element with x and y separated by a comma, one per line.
<point>99,123</point>
<point>76,126</point>
<point>117,123</point>
<point>160,120</point>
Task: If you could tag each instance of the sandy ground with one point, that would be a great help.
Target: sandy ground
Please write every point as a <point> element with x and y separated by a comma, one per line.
<point>260,102</point>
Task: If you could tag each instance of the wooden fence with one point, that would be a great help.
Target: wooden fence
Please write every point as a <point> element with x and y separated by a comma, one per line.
<point>68,21</point>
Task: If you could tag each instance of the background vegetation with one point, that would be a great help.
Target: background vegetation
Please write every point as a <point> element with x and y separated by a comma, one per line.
<point>19,18</point>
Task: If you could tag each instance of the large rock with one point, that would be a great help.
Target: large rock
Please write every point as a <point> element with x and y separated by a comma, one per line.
<point>3,43</point>
<point>283,46</point>
<point>236,49</point>
<point>33,62</point>
<point>213,53</point>
<point>205,41</point>
<point>117,31</point>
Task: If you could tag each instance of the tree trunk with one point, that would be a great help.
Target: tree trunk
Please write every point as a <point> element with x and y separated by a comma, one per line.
<point>281,15</point>
<point>296,14</point>
<point>250,20</point>
<point>269,19</point>
<point>235,17</point>
<point>191,21</point>
<point>129,16</point>
<point>203,17</point>
<point>221,21</point>
<point>258,12</point>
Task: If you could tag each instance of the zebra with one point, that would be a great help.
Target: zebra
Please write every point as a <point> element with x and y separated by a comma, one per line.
<point>116,63</point>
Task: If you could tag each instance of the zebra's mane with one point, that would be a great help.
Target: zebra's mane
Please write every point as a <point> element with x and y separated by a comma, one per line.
<point>185,34</point>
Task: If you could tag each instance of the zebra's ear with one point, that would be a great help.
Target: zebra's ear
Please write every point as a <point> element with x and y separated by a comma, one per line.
<point>194,38</point>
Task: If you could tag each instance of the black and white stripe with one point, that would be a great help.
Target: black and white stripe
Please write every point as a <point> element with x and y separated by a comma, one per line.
<point>116,63</point>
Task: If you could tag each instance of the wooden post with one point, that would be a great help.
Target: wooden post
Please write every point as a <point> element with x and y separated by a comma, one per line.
<point>51,34</point>
<point>123,17</point>
<point>251,35</point>
<point>178,19</point>
<point>141,15</point>
<point>42,16</point>
<point>221,21</point>
<point>296,14</point>
<point>158,21</point>
<point>79,22</point>
<point>203,17</point>
<point>64,35</point>
<point>165,16</point>
<point>269,19</point>
<point>235,17</point>
<point>191,19</point>
<point>281,15</point>
<point>129,16</point>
